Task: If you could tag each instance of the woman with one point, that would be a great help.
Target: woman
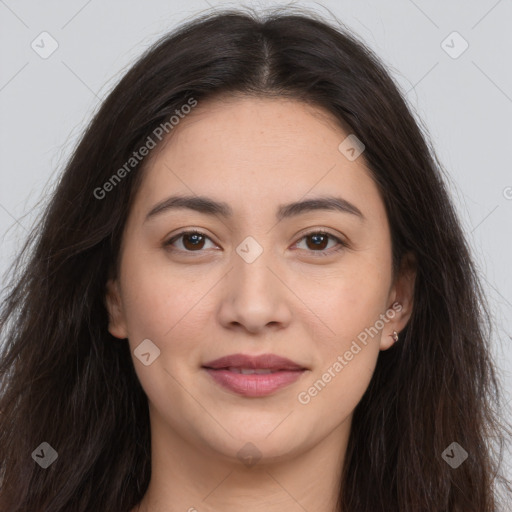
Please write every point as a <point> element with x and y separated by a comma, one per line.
<point>250,290</point>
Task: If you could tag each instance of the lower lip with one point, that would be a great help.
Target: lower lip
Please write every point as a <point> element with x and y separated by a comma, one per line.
<point>254,385</point>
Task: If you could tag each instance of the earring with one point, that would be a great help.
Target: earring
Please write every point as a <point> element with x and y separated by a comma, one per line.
<point>395,336</point>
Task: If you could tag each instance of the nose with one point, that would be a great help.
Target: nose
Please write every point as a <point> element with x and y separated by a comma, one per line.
<point>255,296</point>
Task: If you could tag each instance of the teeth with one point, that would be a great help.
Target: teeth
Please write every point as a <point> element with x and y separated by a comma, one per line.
<point>250,371</point>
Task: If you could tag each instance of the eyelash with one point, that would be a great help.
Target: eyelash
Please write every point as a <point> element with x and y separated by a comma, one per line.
<point>324,252</point>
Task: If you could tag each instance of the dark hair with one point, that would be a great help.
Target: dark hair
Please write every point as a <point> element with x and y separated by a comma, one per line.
<point>66,381</point>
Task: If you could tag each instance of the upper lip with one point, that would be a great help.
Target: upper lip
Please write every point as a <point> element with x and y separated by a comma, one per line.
<point>270,361</point>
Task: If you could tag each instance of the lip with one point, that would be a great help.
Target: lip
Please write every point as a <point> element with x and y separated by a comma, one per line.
<point>224,371</point>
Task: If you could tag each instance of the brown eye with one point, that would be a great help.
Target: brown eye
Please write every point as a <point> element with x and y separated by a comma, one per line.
<point>317,242</point>
<point>191,241</point>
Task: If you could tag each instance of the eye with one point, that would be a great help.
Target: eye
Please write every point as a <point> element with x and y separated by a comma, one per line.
<point>193,241</point>
<point>319,241</point>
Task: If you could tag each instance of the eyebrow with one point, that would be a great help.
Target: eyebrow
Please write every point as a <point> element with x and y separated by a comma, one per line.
<point>208,206</point>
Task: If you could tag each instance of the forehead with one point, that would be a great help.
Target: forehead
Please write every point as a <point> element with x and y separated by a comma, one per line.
<point>253,152</point>
<point>240,127</point>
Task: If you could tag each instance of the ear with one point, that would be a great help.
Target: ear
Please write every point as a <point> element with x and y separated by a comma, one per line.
<point>402,293</point>
<point>117,323</point>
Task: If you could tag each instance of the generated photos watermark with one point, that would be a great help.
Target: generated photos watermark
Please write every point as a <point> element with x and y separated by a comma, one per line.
<point>137,156</point>
<point>304,397</point>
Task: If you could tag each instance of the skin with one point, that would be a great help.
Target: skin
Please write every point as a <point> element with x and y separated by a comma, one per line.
<point>254,154</point>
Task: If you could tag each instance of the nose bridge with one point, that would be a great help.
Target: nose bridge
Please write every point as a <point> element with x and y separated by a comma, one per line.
<point>251,262</point>
<point>254,297</point>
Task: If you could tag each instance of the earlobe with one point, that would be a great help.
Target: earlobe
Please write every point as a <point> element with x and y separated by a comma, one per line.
<point>116,324</point>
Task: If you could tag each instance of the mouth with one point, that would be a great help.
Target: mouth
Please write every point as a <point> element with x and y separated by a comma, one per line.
<point>254,376</point>
<point>250,371</point>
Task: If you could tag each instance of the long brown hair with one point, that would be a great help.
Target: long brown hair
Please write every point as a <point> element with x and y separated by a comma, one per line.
<point>67,382</point>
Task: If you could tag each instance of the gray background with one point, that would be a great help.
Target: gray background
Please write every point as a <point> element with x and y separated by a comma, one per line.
<point>465,104</point>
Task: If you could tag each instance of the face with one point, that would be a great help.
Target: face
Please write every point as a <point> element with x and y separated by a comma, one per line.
<point>312,285</point>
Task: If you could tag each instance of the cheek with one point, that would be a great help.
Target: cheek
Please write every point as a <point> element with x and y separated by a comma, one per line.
<point>349,347</point>
<point>169,307</point>
<point>339,387</point>
<point>165,308</point>
<point>348,301</point>
<point>348,339</point>
<point>149,306</point>
<point>155,297</point>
